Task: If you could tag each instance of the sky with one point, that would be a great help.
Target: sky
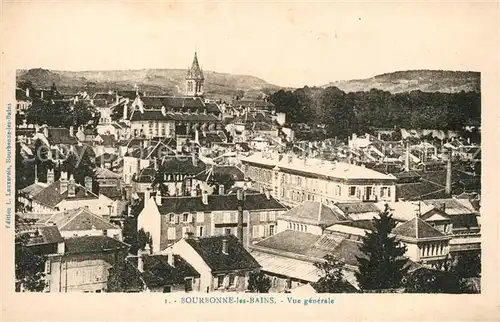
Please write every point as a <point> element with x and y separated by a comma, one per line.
<point>287,44</point>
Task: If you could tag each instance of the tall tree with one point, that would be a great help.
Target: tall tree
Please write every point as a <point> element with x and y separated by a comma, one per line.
<point>383,264</point>
<point>331,272</point>
<point>258,282</point>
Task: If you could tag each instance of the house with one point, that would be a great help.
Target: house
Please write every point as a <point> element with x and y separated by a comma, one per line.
<point>80,222</point>
<point>293,180</point>
<point>26,195</point>
<point>163,273</point>
<point>120,130</point>
<point>168,219</point>
<point>84,264</point>
<point>105,144</point>
<point>204,178</point>
<point>178,173</point>
<point>65,194</point>
<point>223,263</point>
<point>23,100</point>
<point>310,216</point>
<point>288,257</point>
<point>75,264</point>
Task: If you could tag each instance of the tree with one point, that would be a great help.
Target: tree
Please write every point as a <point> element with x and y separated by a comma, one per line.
<point>80,167</point>
<point>467,265</point>
<point>426,280</point>
<point>258,282</point>
<point>144,238</point>
<point>383,264</point>
<point>83,113</point>
<point>130,233</point>
<point>331,272</point>
<point>29,264</point>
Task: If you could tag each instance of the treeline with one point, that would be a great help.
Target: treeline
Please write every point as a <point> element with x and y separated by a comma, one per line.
<point>345,113</point>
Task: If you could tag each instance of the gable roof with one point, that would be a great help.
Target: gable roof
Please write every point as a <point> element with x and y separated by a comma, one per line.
<point>92,244</point>
<point>313,212</point>
<point>210,250</point>
<point>417,229</point>
<point>357,207</point>
<point>179,205</point>
<point>51,195</point>
<point>453,206</point>
<point>45,235</point>
<point>103,173</point>
<point>158,272</point>
<point>77,219</point>
<point>34,189</point>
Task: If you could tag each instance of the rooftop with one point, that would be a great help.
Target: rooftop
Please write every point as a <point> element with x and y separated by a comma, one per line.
<point>313,212</point>
<point>93,244</point>
<point>210,250</point>
<point>77,219</point>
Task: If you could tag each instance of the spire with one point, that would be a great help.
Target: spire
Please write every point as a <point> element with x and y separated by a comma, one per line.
<point>195,71</point>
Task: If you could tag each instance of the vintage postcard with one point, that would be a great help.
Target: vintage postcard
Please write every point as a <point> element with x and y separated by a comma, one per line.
<point>249,161</point>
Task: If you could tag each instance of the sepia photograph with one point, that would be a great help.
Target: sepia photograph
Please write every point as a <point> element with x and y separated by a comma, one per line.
<point>233,153</point>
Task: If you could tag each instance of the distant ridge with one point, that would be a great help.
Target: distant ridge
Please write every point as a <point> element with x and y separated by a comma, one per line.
<point>410,80</point>
<point>227,86</point>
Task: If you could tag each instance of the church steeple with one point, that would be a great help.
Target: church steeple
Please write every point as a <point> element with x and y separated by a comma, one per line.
<point>194,79</point>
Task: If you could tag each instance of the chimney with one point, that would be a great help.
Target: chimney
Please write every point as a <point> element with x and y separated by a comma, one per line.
<point>155,162</point>
<point>71,130</point>
<point>448,174</point>
<point>221,189</point>
<point>46,131</point>
<point>110,208</point>
<point>147,195</point>
<point>240,197</point>
<point>407,157</point>
<point>71,187</point>
<point>204,197</point>
<point>194,159</point>
<point>158,197</point>
<point>27,92</point>
<point>125,111</point>
<point>63,180</point>
<point>41,94</point>
<point>225,249</point>
<point>50,176</point>
<point>88,185</point>
<point>36,174</point>
<point>170,258</point>
<point>267,193</point>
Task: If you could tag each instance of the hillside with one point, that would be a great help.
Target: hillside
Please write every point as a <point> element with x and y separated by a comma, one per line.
<point>150,80</point>
<point>424,80</point>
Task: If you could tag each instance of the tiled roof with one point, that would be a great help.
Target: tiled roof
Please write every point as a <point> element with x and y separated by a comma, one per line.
<point>158,272</point>
<point>210,250</point>
<point>46,235</point>
<point>312,246</point>
<point>252,103</point>
<point>103,173</point>
<point>416,228</point>
<point>77,219</point>
<point>419,190</point>
<point>453,206</point>
<point>357,207</point>
<point>172,166</point>
<point>313,212</point>
<point>212,108</point>
<point>217,203</point>
<point>51,195</point>
<point>92,244</point>
<point>35,188</point>
<point>466,221</point>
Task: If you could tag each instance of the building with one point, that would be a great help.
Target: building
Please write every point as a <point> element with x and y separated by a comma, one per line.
<point>65,194</point>
<point>310,216</point>
<point>223,263</point>
<point>168,219</point>
<point>80,222</point>
<point>195,79</point>
<point>293,180</point>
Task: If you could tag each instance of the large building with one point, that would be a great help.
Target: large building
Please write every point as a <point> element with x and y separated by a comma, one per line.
<point>294,180</point>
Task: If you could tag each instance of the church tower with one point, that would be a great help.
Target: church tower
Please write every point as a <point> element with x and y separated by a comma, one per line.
<point>194,79</point>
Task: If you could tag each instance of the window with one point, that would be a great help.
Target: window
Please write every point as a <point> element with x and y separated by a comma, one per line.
<point>275,281</point>
<point>383,192</point>
<point>220,281</point>
<point>177,219</point>
<point>98,291</point>
<point>255,231</point>
<point>199,217</point>
<point>185,217</point>
<point>47,267</point>
<point>171,233</point>
<point>232,280</point>
<point>352,191</point>
<point>263,216</point>
<point>339,190</point>
<point>172,218</point>
<point>188,284</point>
<point>271,230</point>
<point>200,231</point>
